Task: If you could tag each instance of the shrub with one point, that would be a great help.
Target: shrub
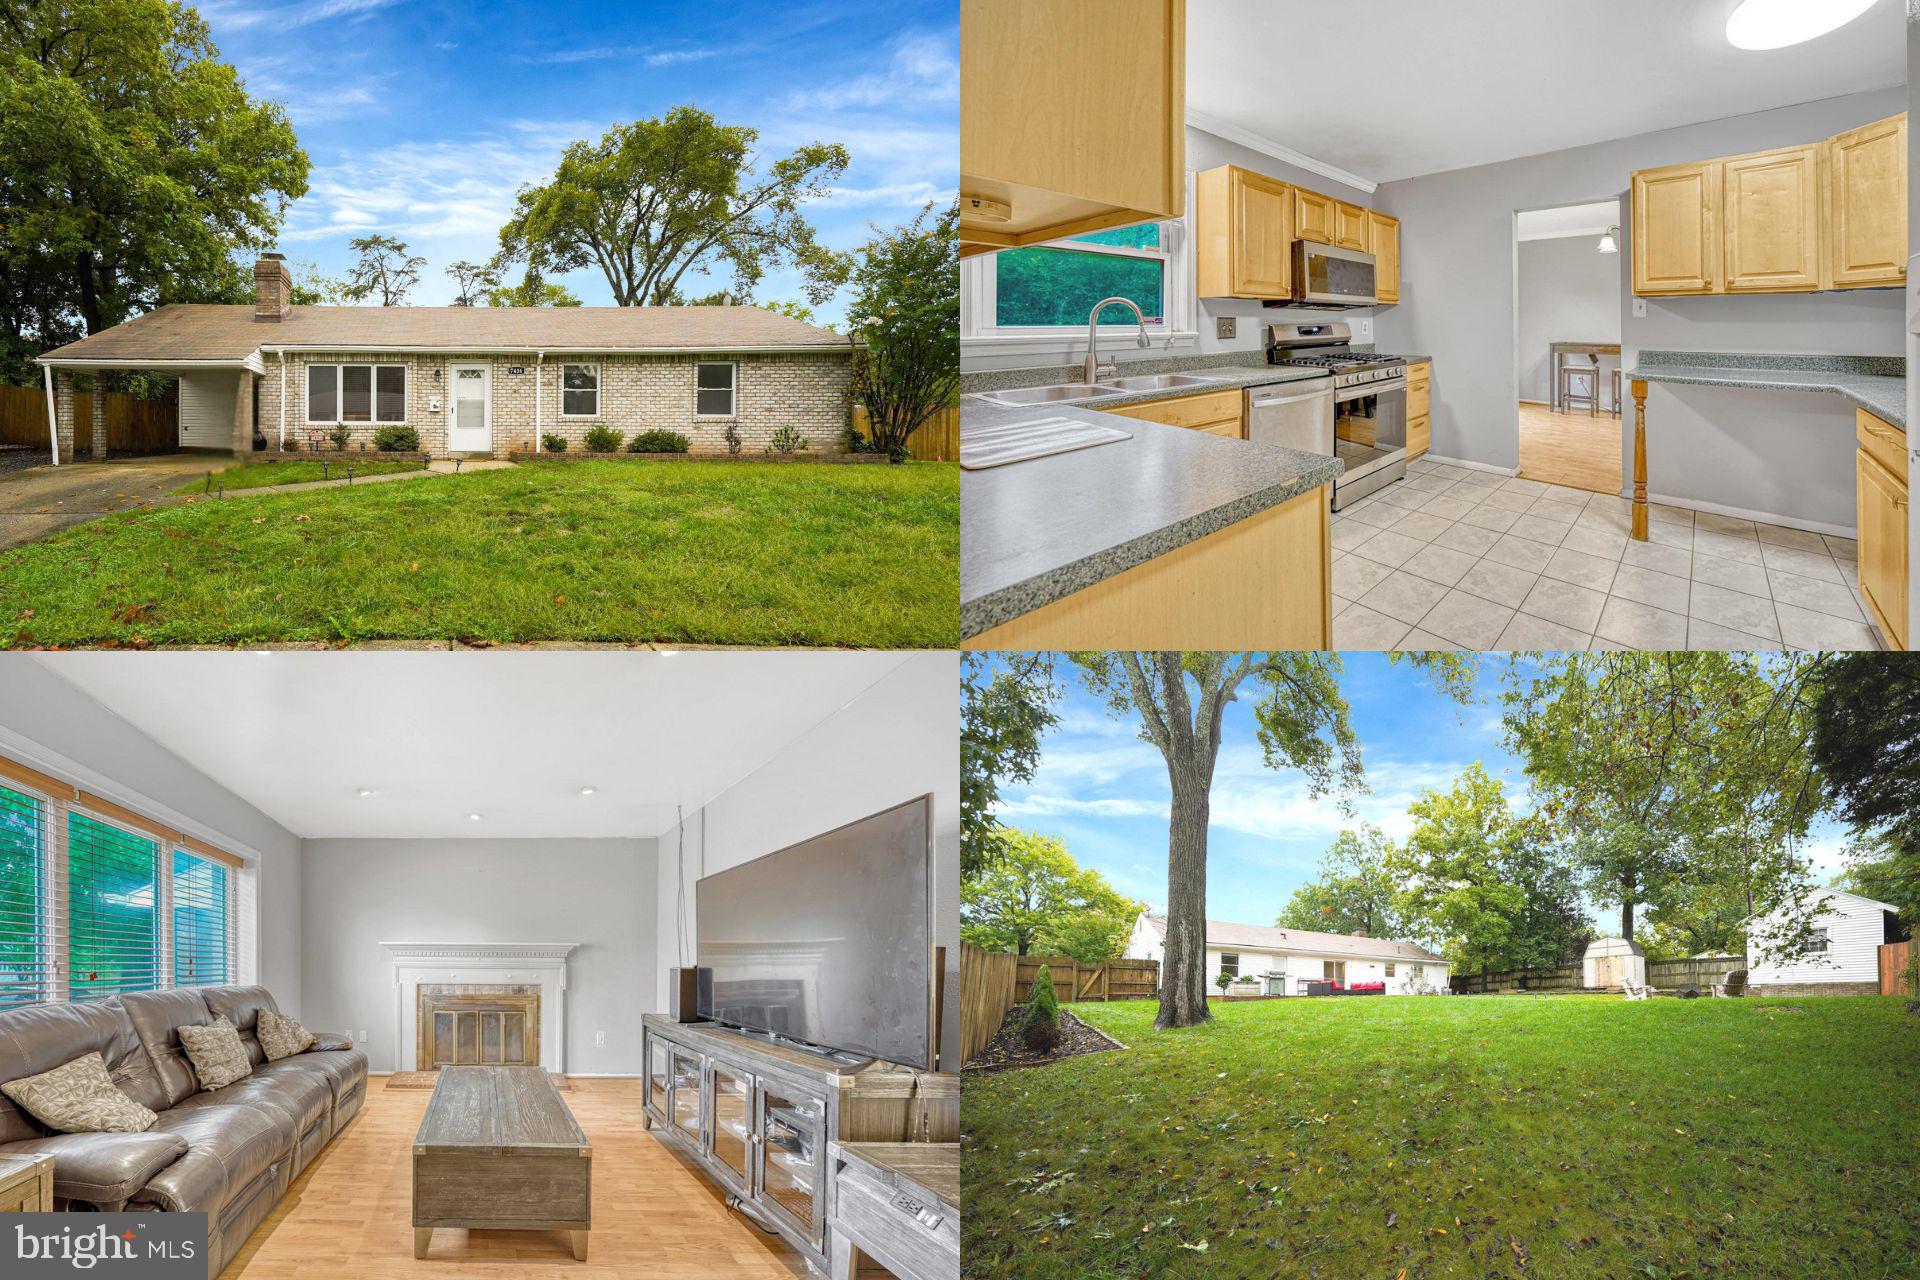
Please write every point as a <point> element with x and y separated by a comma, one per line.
<point>733,440</point>
<point>1223,981</point>
<point>553,443</point>
<point>787,440</point>
<point>397,440</point>
<point>342,436</point>
<point>659,440</point>
<point>1040,1028</point>
<point>603,440</point>
<point>292,445</point>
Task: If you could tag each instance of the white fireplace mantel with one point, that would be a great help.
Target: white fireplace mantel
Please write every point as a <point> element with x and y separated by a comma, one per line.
<point>537,964</point>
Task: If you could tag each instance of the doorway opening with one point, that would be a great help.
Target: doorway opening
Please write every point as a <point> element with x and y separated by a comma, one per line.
<point>1568,263</point>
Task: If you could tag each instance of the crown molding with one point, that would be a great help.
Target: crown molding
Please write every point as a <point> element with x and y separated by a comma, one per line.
<point>1279,151</point>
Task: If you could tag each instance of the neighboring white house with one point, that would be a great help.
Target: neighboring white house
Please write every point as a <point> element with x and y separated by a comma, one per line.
<point>1253,953</point>
<point>1848,932</point>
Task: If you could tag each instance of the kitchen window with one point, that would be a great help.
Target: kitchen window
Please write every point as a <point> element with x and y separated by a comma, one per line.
<point>353,393</point>
<point>580,391</point>
<point>1036,298</point>
<point>713,390</point>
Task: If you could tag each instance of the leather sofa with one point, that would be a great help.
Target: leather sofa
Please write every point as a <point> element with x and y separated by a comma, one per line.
<point>229,1153</point>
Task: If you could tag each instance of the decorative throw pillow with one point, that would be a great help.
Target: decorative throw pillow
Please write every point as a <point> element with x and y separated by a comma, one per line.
<point>217,1055</point>
<point>79,1097</point>
<point>281,1036</point>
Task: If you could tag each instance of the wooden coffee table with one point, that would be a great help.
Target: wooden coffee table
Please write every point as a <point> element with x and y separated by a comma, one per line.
<point>499,1150</point>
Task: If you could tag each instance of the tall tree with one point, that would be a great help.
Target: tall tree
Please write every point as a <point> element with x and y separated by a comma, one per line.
<point>134,168</point>
<point>1354,892</point>
<point>1878,868</point>
<point>906,314</point>
<point>1866,742</point>
<point>534,289</point>
<point>313,288</point>
<point>472,281</point>
<point>1037,900</point>
<point>1179,701</point>
<point>385,270</point>
<point>654,200</point>
<point>1006,706</point>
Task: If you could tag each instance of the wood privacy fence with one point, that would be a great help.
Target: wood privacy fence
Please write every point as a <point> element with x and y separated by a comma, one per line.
<point>937,440</point>
<point>1895,972</point>
<point>986,993</point>
<point>992,982</point>
<point>133,425</point>
<point>1699,971</point>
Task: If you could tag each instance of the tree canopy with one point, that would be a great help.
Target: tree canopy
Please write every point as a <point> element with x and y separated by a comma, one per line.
<point>386,271</point>
<point>906,312</point>
<point>1006,704</point>
<point>1354,892</point>
<point>1036,900</point>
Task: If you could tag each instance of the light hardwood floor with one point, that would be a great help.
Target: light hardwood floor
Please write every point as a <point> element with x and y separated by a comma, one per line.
<point>1570,449</point>
<point>350,1213</point>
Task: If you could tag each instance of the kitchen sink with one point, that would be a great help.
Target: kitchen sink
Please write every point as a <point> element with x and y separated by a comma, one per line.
<point>1159,381</point>
<point>1044,395</point>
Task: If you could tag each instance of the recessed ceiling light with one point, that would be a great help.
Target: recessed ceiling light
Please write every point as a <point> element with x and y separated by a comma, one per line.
<point>473,817</point>
<point>365,792</point>
<point>1775,24</point>
<point>586,791</point>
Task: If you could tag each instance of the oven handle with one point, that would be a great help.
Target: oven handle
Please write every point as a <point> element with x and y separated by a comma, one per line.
<point>1370,389</point>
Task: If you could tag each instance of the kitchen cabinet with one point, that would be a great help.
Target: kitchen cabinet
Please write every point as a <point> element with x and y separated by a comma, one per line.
<point>1867,176</point>
<point>1313,216</point>
<point>1772,233</point>
<point>1675,229</point>
<point>1216,412</point>
<point>1881,490</point>
<point>1419,408</point>
<point>1350,226</point>
<point>1072,118</point>
<point>1383,233</point>
<point>1244,234</point>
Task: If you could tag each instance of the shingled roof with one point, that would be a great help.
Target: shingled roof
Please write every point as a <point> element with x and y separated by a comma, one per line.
<point>1222,933</point>
<point>214,334</point>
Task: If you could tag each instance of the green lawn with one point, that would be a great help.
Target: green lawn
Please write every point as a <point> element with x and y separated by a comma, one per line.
<point>678,552</point>
<point>1381,1136</point>
<point>259,475</point>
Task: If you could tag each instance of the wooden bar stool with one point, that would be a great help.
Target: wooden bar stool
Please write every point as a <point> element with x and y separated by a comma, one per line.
<point>1616,391</point>
<point>1578,385</point>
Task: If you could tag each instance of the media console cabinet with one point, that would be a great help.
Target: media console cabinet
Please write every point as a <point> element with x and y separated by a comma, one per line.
<point>758,1116</point>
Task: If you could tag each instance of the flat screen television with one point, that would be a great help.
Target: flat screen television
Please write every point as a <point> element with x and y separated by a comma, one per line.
<point>828,942</point>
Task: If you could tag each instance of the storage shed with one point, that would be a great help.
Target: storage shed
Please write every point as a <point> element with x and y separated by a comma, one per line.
<point>1610,963</point>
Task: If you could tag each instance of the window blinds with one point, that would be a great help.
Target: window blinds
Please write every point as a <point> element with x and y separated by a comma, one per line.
<point>112,910</point>
<point>202,943</point>
<point>25,976</point>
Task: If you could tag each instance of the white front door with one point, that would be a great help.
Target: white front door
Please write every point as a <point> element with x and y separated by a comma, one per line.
<point>470,408</point>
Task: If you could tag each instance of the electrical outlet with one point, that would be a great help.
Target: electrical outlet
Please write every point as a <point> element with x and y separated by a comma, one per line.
<point>1225,326</point>
<point>1640,308</point>
<point>599,1038</point>
<point>363,1035</point>
<point>1363,329</point>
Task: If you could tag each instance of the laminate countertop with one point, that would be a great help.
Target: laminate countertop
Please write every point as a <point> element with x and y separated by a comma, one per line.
<point>1877,384</point>
<point>1035,532</point>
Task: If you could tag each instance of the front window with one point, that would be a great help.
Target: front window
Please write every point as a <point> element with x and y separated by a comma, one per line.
<point>202,919</point>
<point>113,927</point>
<point>580,391</point>
<point>713,391</point>
<point>351,393</point>
<point>25,966</point>
<point>1230,964</point>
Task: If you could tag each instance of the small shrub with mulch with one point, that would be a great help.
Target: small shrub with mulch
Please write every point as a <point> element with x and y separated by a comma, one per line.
<point>659,440</point>
<point>1008,1048</point>
<point>602,440</point>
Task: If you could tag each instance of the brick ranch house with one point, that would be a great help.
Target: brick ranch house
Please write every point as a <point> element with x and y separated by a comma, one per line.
<point>469,380</point>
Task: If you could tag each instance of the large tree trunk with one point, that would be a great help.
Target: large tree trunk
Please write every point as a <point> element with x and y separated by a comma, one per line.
<point>1628,891</point>
<point>1183,974</point>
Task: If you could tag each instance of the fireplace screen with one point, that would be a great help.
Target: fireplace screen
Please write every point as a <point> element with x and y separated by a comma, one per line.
<point>478,1025</point>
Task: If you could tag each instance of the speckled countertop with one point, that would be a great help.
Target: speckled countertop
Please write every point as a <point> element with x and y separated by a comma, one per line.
<point>1034,532</point>
<point>1877,384</point>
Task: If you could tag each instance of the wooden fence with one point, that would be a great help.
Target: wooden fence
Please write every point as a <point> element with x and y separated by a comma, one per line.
<point>133,425</point>
<point>992,982</point>
<point>986,993</point>
<point>1895,974</point>
<point>937,440</point>
<point>1699,971</point>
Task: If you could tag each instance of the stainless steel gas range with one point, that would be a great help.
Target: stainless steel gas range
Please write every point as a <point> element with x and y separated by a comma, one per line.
<point>1369,430</point>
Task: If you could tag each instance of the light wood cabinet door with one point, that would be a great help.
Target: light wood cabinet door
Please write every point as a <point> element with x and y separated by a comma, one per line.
<point>1350,226</point>
<point>1383,233</point>
<point>1772,235</point>
<point>1883,544</point>
<point>1419,436</point>
<point>1209,409</point>
<point>1676,237</point>
<point>1868,186</point>
<point>1313,216</point>
<point>1072,117</point>
<point>1243,224</point>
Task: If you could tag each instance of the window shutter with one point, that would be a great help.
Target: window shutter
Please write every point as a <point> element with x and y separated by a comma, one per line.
<point>26,975</point>
<point>112,910</point>
<point>202,921</point>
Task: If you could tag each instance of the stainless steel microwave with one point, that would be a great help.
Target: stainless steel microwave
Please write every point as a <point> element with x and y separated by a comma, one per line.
<point>1326,275</point>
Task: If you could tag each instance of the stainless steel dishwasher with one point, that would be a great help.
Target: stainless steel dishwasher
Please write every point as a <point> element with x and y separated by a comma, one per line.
<point>1296,414</point>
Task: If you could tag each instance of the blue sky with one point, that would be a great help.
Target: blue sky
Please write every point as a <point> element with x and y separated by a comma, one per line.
<point>1104,791</point>
<point>423,118</point>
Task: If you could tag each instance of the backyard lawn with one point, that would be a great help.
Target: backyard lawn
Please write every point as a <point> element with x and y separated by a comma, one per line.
<point>1552,1136</point>
<point>680,552</point>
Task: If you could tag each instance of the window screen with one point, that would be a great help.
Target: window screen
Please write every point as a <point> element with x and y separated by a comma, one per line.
<point>356,393</point>
<point>713,391</point>
<point>580,396</point>
<point>112,930</point>
<point>25,966</point>
<point>390,400</point>
<point>202,917</point>
<point>323,392</point>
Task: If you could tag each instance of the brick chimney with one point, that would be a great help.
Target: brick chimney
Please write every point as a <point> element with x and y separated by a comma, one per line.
<point>272,288</point>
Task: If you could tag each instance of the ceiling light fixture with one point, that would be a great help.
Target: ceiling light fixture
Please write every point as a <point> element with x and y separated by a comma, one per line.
<point>1609,240</point>
<point>1775,24</point>
<point>365,792</point>
<point>586,791</point>
<point>473,817</point>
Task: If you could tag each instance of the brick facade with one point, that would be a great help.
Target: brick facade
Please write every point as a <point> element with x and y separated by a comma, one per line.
<point>808,391</point>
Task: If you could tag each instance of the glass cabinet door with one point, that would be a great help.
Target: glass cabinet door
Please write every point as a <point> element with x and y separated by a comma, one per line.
<point>732,1119</point>
<point>657,1077</point>
<point>792,1156</point>
<point>685,1085</point>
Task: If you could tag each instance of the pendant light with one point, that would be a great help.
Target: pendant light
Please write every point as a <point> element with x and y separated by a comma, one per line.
<point>1610,240</point>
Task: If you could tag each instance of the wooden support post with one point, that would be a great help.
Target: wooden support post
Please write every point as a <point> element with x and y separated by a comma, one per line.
<point>1639,460</point>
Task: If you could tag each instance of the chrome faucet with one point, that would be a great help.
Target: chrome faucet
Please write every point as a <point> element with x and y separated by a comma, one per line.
<point>1093,334</point>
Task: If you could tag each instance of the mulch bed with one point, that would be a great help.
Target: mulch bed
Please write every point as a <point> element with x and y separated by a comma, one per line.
<point>1007,1050</point>
<point>21,459</point>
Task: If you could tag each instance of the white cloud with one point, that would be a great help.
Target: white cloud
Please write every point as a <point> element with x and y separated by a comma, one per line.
<point>924,70</point>
<point>235,15</point>
<point>634,52</point>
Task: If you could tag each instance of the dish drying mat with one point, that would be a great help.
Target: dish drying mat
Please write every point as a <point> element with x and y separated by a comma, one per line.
<point>983,447</point>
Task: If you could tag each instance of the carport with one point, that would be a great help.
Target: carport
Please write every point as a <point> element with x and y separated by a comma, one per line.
<point>216,401</point>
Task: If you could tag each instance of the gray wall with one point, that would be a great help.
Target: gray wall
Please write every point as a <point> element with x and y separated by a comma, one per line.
<point>67,732</point>
<point>1569,292</point>
<point>898,740</point>
<point>598,893</point>
<point>1782,454</point>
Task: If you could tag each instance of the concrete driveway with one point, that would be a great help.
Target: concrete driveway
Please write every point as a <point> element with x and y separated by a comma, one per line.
<point>44,500</point>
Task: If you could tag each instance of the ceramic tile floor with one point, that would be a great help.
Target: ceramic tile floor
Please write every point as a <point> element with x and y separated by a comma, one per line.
<point>1451,558</point>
